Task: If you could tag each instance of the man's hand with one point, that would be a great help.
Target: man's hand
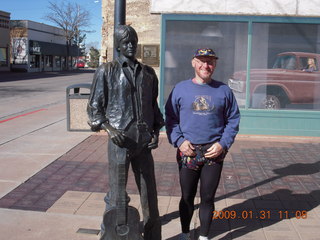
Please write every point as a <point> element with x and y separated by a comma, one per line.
<point>117,137</point>
<point>214,151</point>
<point>187,149</point>
<point>153,144</point>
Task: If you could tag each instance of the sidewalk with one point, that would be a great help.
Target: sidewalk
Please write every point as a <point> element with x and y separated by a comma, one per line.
<point>52,187</point>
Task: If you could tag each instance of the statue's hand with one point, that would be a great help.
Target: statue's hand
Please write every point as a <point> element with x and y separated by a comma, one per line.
<point>153,144</point>
<point>116,136</point>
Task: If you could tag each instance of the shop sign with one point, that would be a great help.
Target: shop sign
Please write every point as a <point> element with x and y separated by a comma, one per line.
<point>150,54</point>
<point>34,47</point>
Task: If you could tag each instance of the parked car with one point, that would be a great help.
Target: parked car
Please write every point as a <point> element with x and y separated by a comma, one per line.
<point>80,64</point>
<point>288,82</point>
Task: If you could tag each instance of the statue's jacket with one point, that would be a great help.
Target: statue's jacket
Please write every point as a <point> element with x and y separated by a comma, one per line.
<point>118,100</point>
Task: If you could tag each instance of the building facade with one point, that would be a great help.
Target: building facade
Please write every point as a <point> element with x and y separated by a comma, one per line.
<point>4,41</point>
<point>147,25</point>
<point>263,46</point>
<point>38,47</point>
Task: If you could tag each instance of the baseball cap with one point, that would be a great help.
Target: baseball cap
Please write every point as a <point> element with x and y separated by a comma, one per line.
<point>205,52</point>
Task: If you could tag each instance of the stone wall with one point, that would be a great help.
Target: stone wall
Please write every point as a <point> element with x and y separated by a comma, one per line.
<point>138,16</point>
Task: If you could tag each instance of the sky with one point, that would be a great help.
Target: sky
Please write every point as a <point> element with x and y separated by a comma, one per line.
<point>35,10</point>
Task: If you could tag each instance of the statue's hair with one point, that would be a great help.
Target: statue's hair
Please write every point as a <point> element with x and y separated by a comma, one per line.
<point>122,32</point>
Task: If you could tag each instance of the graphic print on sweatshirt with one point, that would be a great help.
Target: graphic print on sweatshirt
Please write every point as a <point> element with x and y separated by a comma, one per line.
<point>202,105</point>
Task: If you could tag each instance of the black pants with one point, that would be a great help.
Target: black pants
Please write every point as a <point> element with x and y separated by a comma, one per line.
<point>209,176</point>
<point>142,164</point>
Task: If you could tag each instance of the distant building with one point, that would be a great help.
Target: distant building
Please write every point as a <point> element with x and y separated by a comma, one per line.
<point>4,41</point>
<point>39,47</point>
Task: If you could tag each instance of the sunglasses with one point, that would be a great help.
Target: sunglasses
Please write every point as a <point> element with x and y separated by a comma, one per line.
<point>210,62</point>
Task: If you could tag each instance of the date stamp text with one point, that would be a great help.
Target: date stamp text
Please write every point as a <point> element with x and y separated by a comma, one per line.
<point>262,214</point>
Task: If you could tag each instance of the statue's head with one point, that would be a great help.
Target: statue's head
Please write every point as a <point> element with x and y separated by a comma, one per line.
<point>126,40</point>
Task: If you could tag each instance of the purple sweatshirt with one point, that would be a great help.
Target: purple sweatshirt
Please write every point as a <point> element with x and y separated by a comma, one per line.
<point>202,114</point>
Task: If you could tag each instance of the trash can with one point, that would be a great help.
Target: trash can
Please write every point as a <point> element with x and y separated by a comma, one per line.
<point>77,100</point>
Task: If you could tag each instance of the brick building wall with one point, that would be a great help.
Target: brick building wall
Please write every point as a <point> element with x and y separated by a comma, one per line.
<point>138,16</point>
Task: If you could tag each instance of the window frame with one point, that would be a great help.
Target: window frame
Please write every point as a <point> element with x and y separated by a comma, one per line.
<point>266,118</point>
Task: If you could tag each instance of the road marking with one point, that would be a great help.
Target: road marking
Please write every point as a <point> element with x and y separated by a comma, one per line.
<point>22,115</point>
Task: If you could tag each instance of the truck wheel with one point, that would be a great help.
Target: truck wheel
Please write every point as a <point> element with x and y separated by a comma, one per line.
<point>270,102</point>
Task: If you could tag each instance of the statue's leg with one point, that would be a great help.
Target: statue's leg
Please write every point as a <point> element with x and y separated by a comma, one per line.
<point>143,168</point>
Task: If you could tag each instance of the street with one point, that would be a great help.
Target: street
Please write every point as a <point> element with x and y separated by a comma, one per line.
<point>33,126</point>
<point>23,95</point>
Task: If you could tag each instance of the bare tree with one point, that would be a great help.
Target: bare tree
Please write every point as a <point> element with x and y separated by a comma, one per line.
<point>71,17</point>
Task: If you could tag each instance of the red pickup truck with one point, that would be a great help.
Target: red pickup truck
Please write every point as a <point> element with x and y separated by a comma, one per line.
<point>290,81</point>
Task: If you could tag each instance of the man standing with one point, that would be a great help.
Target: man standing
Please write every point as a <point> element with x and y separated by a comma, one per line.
<point>123,102</point>
<point>202,120</point>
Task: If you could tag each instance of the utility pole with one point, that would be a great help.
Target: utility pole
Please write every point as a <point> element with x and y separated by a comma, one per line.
<point>119,19</point>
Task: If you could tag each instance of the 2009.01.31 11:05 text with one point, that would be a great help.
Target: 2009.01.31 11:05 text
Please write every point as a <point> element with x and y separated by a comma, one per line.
<point>262,214</point>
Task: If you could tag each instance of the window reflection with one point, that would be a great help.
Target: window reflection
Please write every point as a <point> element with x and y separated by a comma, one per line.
<point>228,39</point>
<point>284,66</point>
<point>284,60</point>
<point>57,61</point>
<point>34,61</point>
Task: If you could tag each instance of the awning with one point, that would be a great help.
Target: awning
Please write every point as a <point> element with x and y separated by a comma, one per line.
<point>46,48</point>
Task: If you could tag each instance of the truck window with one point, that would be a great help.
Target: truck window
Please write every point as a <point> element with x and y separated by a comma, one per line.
<point>285,62</point>
<point>309,63</point>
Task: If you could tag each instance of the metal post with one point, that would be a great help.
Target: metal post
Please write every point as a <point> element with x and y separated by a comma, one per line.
<point>119,19</point>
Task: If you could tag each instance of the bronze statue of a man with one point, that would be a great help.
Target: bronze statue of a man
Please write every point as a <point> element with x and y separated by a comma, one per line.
<point>123,102</point>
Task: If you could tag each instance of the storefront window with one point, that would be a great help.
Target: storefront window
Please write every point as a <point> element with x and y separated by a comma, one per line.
<point>34,61</point>
<point>63,62</point>
<point>3,57</point>
<point>48,61</point>
<point>57,61</point>
<point>287,76</point>
<point>70,62</point>
<point>282,56</point>
<point>227,39</point>
<point>74,62</point>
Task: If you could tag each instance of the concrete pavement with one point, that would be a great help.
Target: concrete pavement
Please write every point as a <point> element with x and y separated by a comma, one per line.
<point>52,184</point>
